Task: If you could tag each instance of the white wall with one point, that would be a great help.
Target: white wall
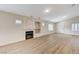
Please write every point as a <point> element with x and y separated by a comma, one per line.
<point>9,31</point>
<point>66,26</point>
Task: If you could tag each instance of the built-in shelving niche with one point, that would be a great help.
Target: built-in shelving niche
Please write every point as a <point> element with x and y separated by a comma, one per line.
<point>37,27</point>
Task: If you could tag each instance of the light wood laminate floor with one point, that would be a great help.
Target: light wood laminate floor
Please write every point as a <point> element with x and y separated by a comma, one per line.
<point>49,44</point>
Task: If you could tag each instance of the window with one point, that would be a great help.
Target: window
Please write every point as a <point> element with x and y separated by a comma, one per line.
<point>78,27</point>
<point>75,27</point>
<point>50,27</point>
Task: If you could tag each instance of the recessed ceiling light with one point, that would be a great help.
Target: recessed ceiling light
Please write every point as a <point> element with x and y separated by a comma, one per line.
<point>47,10</point>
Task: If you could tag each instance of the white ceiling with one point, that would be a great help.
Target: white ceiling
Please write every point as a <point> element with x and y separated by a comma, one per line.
<point>58,12</point>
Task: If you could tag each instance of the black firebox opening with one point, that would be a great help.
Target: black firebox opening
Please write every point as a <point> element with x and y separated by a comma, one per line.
<point>28,35</point>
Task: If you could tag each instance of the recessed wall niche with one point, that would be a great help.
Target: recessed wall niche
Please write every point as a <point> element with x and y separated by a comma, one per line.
<point>37,27</point>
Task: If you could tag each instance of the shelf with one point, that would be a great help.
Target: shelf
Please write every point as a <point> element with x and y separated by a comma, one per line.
<point>37,27</point>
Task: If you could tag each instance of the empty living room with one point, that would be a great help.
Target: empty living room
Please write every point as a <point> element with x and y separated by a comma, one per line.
<point>39,28</point>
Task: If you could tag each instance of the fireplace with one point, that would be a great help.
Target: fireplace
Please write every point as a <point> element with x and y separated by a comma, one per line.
<point>29,34</point>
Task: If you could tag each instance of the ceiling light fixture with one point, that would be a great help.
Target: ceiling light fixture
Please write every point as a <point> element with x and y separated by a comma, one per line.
<point>47,11</point>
